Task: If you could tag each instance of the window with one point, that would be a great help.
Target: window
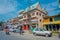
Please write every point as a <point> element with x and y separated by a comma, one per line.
<point>40,14</point>
<point>37,29</point>
<point>24,16</point>
<point>32,14</point>
<point>37,13</point>
<point>41,29</point>
<point>51,19</point>
<point>56,18</point>
<point>40,20</point>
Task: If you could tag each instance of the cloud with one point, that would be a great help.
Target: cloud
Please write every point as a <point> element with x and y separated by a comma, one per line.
<point>51,6</point>
<point>7,6</point>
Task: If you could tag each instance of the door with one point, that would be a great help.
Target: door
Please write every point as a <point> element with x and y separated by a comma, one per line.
<point>24,27</point>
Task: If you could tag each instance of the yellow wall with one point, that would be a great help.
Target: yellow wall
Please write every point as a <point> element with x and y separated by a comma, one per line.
<point>47,21</point>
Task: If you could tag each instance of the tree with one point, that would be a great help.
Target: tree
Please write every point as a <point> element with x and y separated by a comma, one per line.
<point>1,22</point>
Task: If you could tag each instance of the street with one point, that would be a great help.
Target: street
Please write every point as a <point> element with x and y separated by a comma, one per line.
<point>17,36</point>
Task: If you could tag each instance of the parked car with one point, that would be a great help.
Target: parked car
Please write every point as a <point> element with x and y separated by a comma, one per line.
<point>11,29</point>
<point>41,31</point>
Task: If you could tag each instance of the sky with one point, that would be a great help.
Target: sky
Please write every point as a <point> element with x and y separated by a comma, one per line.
<point>10,8</point>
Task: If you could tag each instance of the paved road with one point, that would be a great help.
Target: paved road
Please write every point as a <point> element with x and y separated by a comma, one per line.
<point>16,36</point>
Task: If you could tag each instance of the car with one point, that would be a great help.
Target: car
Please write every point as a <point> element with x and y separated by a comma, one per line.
<point>41,31</point>
<point>11,29</point>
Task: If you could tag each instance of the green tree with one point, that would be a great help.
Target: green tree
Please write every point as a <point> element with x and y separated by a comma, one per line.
<point>1,22</point>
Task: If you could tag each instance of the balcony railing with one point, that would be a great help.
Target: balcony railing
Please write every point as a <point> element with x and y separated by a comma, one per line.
<point>21,20</point>
<point>34,21</point>
<point>25,18</point>
<point>20,15</point>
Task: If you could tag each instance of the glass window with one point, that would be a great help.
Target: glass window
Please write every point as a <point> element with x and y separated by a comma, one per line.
<point>40,20</point>
<point>56,18</point>
<point>51,19</point>
<point>24,16</point>
<point>37,13</point>
<point>41,29</point>
<point>37,29</point>
<point>40,14</point>
<point>43,15</point>
<point>33,14</point>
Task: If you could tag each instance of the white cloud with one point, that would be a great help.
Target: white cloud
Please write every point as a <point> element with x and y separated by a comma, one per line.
<point>51,6</point>
<point>7,6</point>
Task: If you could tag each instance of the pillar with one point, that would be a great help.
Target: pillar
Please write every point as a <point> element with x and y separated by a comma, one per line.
<point>55,27</point>
<point>26,27</point>
<point>36,26</point>
<point>52,27</point>
<point>59,25</point>
<point>48,28</point>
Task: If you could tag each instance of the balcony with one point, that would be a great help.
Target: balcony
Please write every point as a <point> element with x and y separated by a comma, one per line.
<point>25,17</point>
<point>34,21</point>
<point>33,16</point>
<point>21,20</point>
<point>20,15</point>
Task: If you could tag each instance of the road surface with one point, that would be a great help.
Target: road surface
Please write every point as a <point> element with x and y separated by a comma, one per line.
<point>26,36</point>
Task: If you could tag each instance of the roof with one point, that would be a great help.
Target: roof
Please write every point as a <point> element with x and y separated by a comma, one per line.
<point>31,7</point>
<point>52,16</point>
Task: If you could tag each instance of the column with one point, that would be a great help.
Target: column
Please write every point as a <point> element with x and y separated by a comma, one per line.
<point>52,27</point>
<point>59,25</point>
<point>26,27</point>
<point>56,27</point>
<point>48,28</point>
<point>36,25</point>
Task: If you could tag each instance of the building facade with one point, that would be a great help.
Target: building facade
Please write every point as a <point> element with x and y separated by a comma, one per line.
<point>32,17</point>
<point>13,22</point>
<point>52,23</point>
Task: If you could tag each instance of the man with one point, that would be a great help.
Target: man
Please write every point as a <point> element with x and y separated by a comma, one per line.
<point>20,30</point>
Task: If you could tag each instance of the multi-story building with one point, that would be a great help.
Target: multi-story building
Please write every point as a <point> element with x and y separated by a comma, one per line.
<point>13,22</point>
<point>52,22</point>
<point>32,17</point>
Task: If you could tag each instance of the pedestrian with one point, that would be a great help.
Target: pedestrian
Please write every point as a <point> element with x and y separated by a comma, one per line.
<point>59,33</point>
<point>7,30</point>
<point>21,31</point>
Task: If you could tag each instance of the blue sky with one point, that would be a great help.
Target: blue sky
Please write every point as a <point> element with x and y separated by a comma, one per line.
<point>9,8</point>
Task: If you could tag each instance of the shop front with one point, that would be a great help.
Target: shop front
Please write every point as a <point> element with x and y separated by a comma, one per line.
<point>53,27</point>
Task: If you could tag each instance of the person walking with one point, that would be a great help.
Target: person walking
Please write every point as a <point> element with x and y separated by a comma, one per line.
<point>59,33</point>
<point>7,30</point>
<point>21,31</point>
